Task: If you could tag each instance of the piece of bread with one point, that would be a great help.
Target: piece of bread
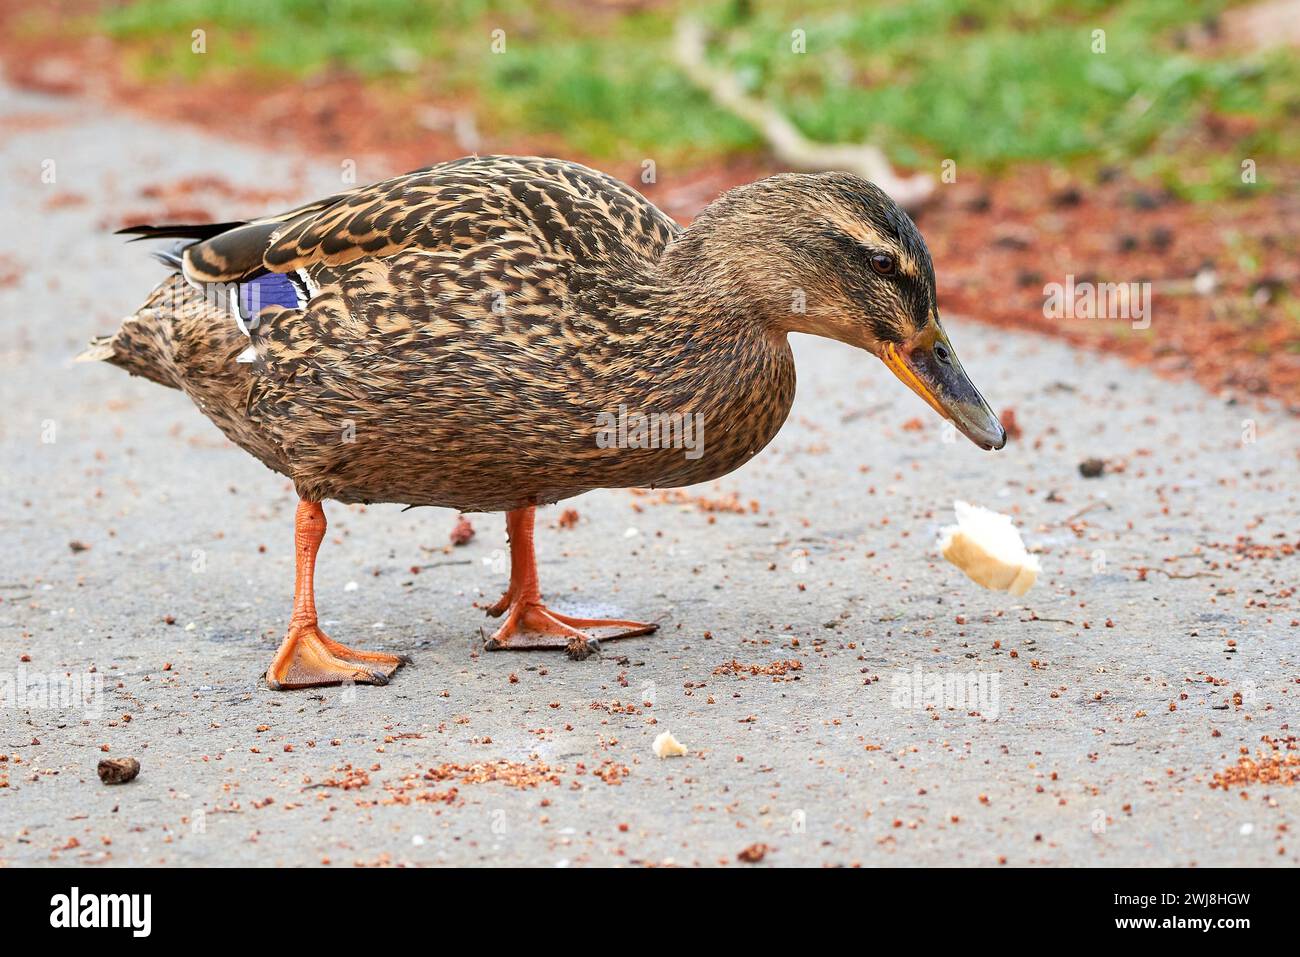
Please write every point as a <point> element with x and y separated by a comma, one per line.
<point>987,547</point>
<point>666,746</point>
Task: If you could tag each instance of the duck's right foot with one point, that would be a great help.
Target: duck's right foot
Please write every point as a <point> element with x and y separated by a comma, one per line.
<point>309,658</point>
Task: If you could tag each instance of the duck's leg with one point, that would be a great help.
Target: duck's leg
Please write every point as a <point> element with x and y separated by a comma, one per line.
<point>308,658</point>
<point>529,623</point>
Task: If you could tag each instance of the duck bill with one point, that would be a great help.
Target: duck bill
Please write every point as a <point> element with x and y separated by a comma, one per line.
<point>928,366</point>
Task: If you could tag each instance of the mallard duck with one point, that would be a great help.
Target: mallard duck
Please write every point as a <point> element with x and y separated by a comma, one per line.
<point>478,335</point>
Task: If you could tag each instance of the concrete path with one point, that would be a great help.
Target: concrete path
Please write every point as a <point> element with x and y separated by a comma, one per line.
<point>1119,693</point>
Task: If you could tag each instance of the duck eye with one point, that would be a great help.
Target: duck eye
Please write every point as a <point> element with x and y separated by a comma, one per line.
<point>882,263</point>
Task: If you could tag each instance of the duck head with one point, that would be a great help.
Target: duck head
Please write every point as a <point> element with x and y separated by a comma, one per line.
<point>831,255</point>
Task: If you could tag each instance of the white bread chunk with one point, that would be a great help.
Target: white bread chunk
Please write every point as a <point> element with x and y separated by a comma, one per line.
<point>666,746</point>
<point>987,547</point>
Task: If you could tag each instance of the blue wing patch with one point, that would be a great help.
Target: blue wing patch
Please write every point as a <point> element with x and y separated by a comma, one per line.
<point>261,292</point>
<point>270,289</point>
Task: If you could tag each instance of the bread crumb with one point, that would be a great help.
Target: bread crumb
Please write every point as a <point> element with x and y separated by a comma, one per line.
<point>666,746</point>
<point>987,547</point>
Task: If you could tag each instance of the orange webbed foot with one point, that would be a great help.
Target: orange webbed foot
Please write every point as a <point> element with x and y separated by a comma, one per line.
<point>531,625</point>
<point>309,658</point>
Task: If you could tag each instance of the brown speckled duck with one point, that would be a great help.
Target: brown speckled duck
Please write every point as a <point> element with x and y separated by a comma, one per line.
<point>467,335</point>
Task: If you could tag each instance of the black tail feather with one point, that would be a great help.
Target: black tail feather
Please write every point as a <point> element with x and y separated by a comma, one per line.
<point>177,231</point>
<point>171,255</point>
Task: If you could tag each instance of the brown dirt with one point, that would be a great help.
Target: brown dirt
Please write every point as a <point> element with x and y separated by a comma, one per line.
<point>997,243</point>
<point>1276,762</point>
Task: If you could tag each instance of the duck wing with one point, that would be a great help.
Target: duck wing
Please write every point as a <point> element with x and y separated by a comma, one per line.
<point>226,252</point>
<point>568,210</point>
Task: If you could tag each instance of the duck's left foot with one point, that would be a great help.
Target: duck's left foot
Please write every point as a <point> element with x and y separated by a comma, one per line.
<point>309,658</point>
<point>531,625</point>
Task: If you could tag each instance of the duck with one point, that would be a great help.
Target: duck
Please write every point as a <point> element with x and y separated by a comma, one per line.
<point>501,333</point>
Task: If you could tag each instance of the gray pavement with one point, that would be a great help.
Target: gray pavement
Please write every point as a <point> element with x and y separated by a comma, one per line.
<point>1119,695</point>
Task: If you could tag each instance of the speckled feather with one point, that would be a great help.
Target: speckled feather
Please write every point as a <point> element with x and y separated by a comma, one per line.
<point>468,324</point>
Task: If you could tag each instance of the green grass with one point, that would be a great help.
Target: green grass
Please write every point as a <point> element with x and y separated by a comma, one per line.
<point>990,84</point>
<point>987,83</point>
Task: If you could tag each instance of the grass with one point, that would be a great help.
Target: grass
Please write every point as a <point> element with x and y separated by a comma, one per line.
<point>988,83</point>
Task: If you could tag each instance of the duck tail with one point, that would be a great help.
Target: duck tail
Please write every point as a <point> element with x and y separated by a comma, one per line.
<point>191,232</point>
<point>143,345</point>
<point>99,349</point>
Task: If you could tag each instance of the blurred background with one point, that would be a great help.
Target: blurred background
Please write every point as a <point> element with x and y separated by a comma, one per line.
<point>1112,141</point>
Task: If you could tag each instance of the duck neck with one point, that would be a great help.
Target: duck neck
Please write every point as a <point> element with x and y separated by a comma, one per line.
<point>691,341</point>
